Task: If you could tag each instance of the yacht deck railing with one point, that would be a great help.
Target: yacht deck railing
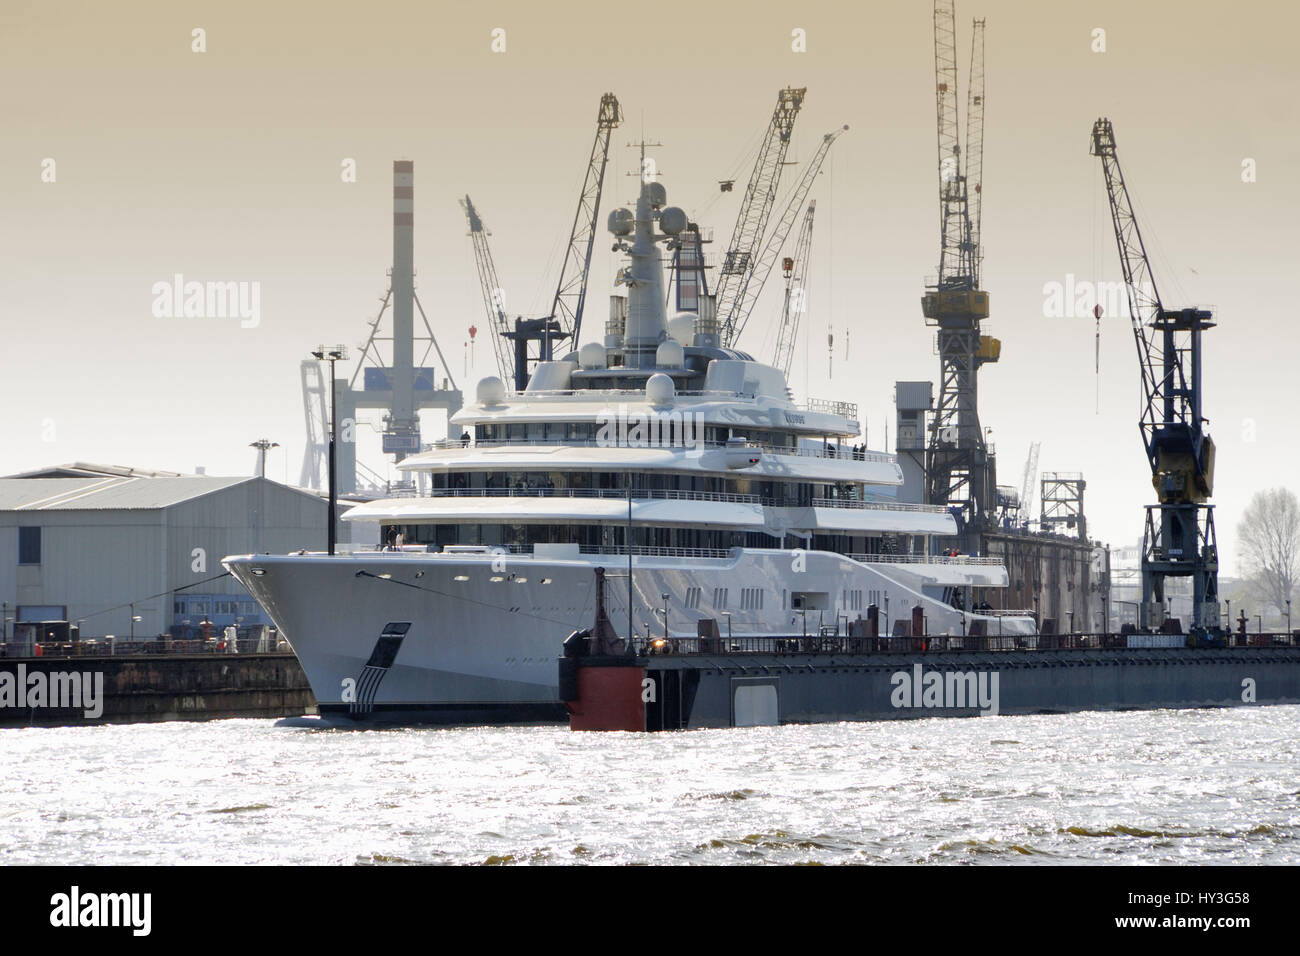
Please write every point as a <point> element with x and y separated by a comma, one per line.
<point>878,505</point>
<point>961,559</point>
<point>668,494</point>
<point>832,451</point>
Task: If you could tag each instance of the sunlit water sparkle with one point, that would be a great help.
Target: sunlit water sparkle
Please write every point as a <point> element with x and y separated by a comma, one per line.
<point>1196,786</point>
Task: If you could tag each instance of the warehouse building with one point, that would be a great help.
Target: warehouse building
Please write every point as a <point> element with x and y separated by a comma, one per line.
<point>127,552</point>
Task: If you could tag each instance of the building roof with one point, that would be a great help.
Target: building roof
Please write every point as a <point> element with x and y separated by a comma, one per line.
<point>81,469</point>
<point>108,492</point>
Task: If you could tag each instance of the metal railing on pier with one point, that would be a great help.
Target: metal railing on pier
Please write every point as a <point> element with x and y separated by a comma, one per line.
<point>935,644</point>
<point>153,647</point>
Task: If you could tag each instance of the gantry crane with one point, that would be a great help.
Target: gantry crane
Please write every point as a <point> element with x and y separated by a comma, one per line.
<point>795,270</point>
<point>960,467</point>
<point>1179,540</point>
<point>755,209</point>
<point>753,286</point>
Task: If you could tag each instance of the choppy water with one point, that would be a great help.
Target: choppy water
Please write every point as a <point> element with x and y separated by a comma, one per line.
<point>1158,787</point>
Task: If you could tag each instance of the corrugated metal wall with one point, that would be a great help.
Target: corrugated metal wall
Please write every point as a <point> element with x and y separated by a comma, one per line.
<point>95,560</point>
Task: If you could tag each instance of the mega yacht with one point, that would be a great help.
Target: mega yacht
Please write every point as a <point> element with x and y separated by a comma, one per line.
<point>714,504</point>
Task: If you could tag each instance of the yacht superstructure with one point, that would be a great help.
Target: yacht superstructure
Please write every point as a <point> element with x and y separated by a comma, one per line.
<point>681,467</point>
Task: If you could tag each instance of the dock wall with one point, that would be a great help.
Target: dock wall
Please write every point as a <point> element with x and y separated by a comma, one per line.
<point>151,688</point>
<point>726,691</point>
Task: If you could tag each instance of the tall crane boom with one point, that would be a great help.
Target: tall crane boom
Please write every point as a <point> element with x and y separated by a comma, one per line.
<point>571,293</point>
<point>974,172</point>
<point>795,270</point>
<point>755,209</point>
<point>1030,481</point>
<point>493,295</point>
<point>1180,539</point>
<point>956,265</point>
<point>753,286</point>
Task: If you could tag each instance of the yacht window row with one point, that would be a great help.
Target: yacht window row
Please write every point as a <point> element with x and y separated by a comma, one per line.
<point>615,484</point>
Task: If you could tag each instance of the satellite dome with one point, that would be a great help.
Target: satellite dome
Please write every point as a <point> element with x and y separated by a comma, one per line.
<point>681,328</point>
<point>659,389</point>
<point>592,355</point>
<point>658,195</point>
<point>491,391</point>
<point>670,354</point>
<point>621,222</point>
<point>672,221</point>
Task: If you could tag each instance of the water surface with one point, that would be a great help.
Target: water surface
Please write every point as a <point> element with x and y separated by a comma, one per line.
<point>1193,786</point>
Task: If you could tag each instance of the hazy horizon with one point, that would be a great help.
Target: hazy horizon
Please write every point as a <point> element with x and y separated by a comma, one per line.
<point>225,166</point>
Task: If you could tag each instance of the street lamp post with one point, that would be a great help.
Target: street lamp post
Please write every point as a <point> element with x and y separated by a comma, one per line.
<point>263,445</point>
<point>664,598</point>
<point>321,354</point>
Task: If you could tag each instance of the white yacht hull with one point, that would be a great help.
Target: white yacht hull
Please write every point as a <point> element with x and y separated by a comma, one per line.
<point>485,630</point>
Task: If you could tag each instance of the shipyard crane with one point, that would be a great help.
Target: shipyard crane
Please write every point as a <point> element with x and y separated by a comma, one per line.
<point>315,404</point>
<point>753,286</point>
<point>493,295</point>
<point>571,293</point>
<point>755,209</point>
<point>565,318</point>
<point>975,145</point>
<point>1179,540</point>
<point>960,467</point>
<point>795,270</point>
<point>1029,481</point>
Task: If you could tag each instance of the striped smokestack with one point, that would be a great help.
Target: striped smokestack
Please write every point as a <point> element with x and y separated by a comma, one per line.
<point>402,376</point>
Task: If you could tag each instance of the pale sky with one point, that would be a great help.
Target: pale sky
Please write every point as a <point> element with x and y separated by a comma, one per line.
<point>225,166</point>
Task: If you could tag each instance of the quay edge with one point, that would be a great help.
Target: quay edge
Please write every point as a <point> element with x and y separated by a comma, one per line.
<point>695,691</point>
